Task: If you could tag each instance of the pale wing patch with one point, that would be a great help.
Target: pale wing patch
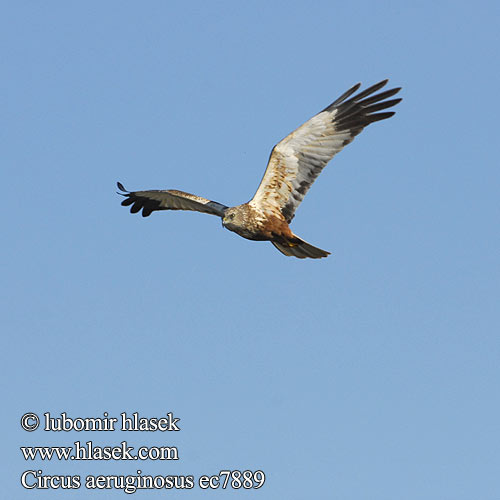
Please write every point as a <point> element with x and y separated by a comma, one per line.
<point>299,158</point>
<point>171,199</point>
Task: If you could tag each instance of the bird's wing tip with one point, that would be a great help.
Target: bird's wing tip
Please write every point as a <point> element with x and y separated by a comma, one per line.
<point>124,192</point>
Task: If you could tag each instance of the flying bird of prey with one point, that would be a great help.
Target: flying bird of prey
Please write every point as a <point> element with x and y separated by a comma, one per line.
<point>293,166</point>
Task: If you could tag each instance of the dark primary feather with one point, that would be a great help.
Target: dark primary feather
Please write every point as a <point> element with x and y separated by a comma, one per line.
<point>138,202</point>
<point>356,113</point>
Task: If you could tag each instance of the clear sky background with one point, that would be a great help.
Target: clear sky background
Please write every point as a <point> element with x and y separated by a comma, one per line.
<point>373,374</point>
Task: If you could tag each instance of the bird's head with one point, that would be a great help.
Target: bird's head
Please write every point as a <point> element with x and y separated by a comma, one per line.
<point>234,218</point>
<point>230,218</point>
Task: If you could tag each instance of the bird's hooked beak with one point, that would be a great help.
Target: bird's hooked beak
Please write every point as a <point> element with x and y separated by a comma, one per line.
<point>224,219</point>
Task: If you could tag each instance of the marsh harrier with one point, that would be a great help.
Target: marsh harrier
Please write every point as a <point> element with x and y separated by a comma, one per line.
<point>293,166</point>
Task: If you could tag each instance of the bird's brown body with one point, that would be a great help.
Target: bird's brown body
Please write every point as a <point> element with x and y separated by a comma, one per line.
<point>254,224</point>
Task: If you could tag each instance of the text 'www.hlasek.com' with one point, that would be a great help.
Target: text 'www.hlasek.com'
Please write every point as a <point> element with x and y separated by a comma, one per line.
<point>36,478</point>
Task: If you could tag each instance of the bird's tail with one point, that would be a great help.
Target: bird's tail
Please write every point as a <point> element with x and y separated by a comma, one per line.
<point>299,248</point>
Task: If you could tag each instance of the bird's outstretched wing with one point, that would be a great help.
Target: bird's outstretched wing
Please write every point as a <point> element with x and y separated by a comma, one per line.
<point>298,159</point>
<point>149,201</point>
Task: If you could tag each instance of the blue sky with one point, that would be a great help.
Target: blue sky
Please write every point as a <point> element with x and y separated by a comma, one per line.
<point>371,374</point>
